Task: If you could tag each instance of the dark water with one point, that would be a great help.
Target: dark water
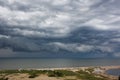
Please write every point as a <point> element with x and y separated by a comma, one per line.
<point>14,63</point>
<point>115,72</point>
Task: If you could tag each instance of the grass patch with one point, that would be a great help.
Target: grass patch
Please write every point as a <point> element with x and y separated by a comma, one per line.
<point>90,70</point>
<point>55,74</point>
<point>8,71</point>
<point>85,76</point>
<point>67,73</point>
<point>61,73</point>
<point>25,71</point>
<point>3,78</point>
<point>33,75</point>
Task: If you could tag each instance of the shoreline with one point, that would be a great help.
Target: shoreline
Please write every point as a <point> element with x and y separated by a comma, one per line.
<point>70,68</point>
<point>97,71</point>
<point>100,70</point>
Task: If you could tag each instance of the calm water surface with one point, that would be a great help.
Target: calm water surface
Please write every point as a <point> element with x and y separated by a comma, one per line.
<point>115,72</point>
<point>14,63</point>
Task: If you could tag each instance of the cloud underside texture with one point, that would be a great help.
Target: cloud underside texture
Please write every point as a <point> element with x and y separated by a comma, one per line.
<point>82,28</point>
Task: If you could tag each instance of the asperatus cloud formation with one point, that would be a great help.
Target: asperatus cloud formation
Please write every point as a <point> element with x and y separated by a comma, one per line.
<point>57,28</point>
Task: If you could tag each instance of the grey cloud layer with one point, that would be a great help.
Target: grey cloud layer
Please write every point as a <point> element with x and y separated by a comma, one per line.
<point>57,18</point>
<point>76,26</point>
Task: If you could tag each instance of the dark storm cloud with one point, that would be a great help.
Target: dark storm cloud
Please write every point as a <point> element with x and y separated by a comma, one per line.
<point>53,26</point>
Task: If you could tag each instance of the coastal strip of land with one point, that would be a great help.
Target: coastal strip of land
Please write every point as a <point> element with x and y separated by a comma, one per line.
<point>72,73</point>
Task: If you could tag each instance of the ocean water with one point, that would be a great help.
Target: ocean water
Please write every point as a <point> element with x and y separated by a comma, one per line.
<point>115,72</point>
<point>26,63</point>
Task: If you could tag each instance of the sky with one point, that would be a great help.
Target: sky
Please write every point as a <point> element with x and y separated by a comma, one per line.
<point>60,28</point>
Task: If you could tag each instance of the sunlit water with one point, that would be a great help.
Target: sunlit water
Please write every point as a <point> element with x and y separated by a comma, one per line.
<point>114,72</point>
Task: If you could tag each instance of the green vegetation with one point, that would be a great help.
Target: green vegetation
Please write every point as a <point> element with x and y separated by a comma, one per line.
<point>90,70</point>
<point>9,71</point>
<point>3,78</point>
<point>24,71</point>
<point>33,75</point>
<point>61,73</point>
<point>55,74</point>
<point>83,75</point>
<point>88,76</point>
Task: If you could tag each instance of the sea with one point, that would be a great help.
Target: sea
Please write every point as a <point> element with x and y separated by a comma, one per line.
<point>114,72</point>
<point>38,63</point>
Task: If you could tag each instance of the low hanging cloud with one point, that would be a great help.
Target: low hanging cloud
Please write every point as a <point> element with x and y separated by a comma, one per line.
<point>117,55</point>
<point>72,26</point>
<point>6,52</point>
<point>54,18</point>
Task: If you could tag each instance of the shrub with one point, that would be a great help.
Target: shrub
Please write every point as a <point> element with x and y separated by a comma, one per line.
<point>33,75</point>
<point>3,78</point>
<point>90,70</point>
<point>9,71</point>
<point>85,76</point>
<point>66,72</point>
<point>55,74</point>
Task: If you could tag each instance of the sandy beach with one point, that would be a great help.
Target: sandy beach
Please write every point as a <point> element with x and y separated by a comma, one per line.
<point>98,71</point>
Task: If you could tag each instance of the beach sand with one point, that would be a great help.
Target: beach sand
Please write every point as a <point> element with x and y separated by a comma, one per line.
<point>99,70</point>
